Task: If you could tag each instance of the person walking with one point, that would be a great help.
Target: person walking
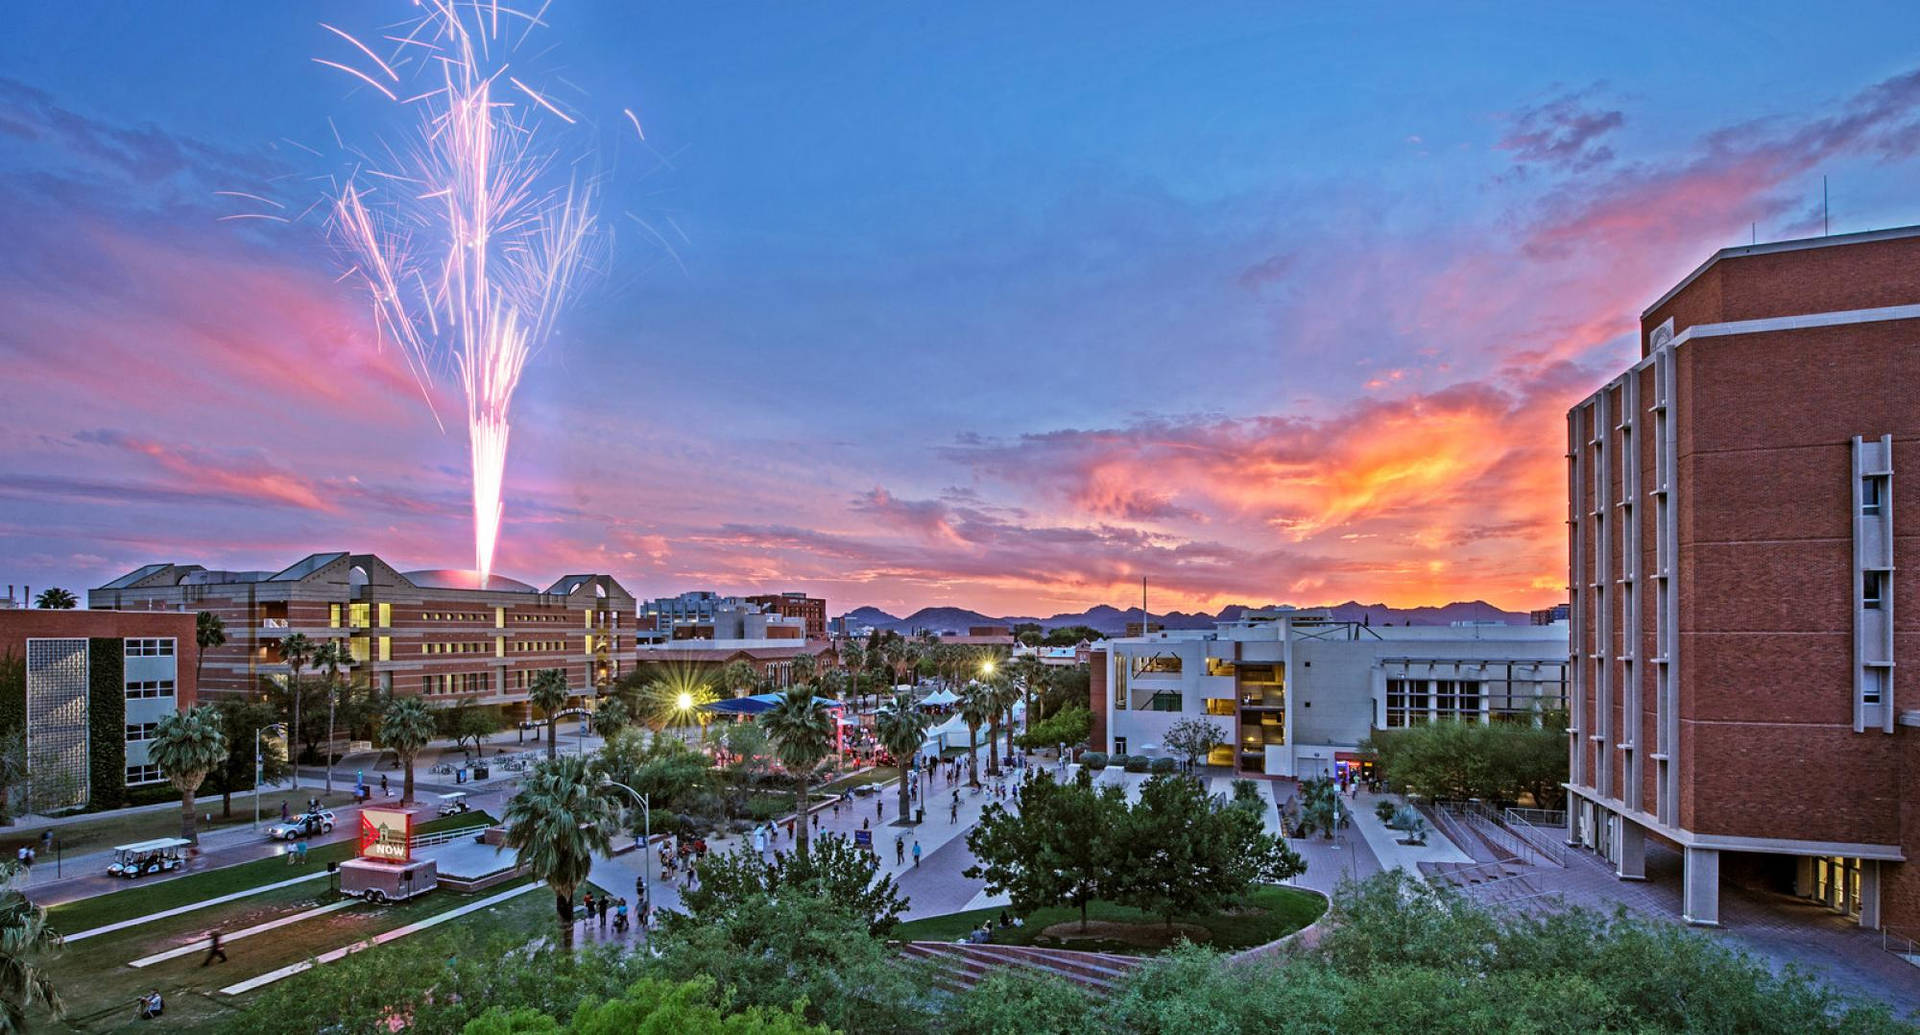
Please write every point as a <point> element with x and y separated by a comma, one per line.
<point>879,808</point>
<point>384,792</point>
<point>899,850</point>
<point>214,948</point>
<point>916,853</point>
<point>592,908</point>
<point>606,902</point>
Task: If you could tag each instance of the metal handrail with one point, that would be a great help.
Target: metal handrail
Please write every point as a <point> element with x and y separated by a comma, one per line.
<point>1899,944</point>
<point>1528,831</point>
<point>440,837</point>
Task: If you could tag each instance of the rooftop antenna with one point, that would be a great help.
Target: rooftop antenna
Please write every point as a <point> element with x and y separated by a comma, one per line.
<point>1146,626</point>
<point>1826,225</point>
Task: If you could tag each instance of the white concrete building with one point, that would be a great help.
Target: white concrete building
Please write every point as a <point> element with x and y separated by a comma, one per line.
<point>1295,692</point>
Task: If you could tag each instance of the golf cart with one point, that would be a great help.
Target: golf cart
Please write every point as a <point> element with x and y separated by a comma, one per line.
<point>453,803</point>
<point>147,857</point>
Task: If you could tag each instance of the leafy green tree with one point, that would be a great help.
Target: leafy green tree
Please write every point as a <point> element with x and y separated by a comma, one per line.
<point>13,764</point>
<point>187,745</point>
<point>467,722</point>
<point>297,651</point>
<point>1187,853</point>
<point>1195,738</point>
<point>549,693</point>
<point>652,1007</point>
<point>1501,762</point>
<point>1067,726</point>
<point>1320,809</point>
<point>53,598</point>
<point>27,943</point>
<point>209,633</point>
<point>1066,688</point>
<point>902,730</point>
<point>556,824</point>
<point>833,870</point>
<point>611,717</point>
<point>801,729</point>
<point>739,677</point>
<point>239,721</point>
<point>1006,1002</point>
<point>673,776</point>
<point>1058,849</point>
<point>1071,635</point>
<point>407,726</point>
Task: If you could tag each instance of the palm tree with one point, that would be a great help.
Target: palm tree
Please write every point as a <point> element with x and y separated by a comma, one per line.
<point>209,632</point>
<point>853,656</point>
<point>296,651</point>
<point>187,746</point>
<point>803,668</point>
<point>54,598</point>
<point>406,726</point>
<point>556,824</point>
<point>739,676</point>
<point>1005,693</point>
<point>902,731</point>
<point>611,716</point>
<point>26,941</point>
<point>1031,673</point>
<point>801,729</point>
<point>975,711</point>
<point>997,696</point>
<point>330,657</point>
<point>549,694</point>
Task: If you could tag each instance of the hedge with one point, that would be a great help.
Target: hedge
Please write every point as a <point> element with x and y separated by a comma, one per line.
<point>106,722</point>
<point>1094,760</point>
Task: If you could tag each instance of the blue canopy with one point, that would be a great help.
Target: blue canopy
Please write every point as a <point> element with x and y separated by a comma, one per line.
<point>758,703</point>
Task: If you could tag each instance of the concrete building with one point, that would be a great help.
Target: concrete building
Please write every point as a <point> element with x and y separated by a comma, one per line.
<point>434,633</point>
<point>663,615</point>
<point>811,611</point>
<point>1739,613</point>
<point>89,688</point>
<point>1296,691</point>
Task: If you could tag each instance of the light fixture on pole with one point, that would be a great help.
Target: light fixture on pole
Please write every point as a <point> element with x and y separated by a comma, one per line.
<point>646,852</point>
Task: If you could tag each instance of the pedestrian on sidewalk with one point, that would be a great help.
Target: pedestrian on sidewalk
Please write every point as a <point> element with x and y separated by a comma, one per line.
<point>591,907</point>
<point>899,850</point>
<point>879,808</point>
<point>816,822</point>
<point>384,791</point>
<point>916,853</point>
<point>283,811</point>
<point>605,903</point>
<point>214,948</point>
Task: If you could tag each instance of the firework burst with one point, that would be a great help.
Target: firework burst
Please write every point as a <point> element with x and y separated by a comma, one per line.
<point>470,236</point>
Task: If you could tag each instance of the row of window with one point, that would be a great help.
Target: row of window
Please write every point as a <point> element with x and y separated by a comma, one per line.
<point>142,689</point>
<point>543,646</point>
<point>140,731</point>
<point>459,647</point>
<point>455,683</point>
<point>159,647</point>
<point>1411,702</point>
<point>139,774</point>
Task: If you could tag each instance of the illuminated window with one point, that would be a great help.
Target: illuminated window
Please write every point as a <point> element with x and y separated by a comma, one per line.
<point>1220,666</point>
<point>386,616</point>
<point>333,616</point>
<point>386,646</point>
<point>358,616</point>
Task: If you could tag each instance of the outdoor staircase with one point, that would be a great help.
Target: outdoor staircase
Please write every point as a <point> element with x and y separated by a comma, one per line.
<point>959,965</point>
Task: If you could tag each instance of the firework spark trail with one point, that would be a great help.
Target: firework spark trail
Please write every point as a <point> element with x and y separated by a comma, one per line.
<point>467,248</point>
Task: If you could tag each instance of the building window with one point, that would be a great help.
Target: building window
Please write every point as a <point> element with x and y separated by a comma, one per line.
<point>139,774</point>
<point>1873,685</point>
<point>1158,664</point>
<point>1873,589</point>
<point>138,689</point>
<point>1870,494</point>
<point>141,731</point>
<point>150,648</point>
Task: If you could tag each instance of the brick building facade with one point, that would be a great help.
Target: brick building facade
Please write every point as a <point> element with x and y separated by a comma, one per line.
<point>1742,596</point>
<point>433,633</point>
<point>811,610</point>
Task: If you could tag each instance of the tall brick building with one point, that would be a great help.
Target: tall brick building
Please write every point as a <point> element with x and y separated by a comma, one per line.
<point>1743,589</point>
<point>434,633</point>
<point>811,610</point>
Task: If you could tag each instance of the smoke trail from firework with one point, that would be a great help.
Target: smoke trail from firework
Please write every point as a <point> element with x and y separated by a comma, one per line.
<point>465,241</point>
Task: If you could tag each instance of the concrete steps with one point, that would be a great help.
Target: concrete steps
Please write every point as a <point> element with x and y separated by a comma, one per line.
<point>959,966</point>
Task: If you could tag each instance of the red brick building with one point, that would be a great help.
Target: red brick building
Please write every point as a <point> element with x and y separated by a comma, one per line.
<point>89,688</point>
<point>1743,596</point>
<point>434,633</point>
<point>811,610</point>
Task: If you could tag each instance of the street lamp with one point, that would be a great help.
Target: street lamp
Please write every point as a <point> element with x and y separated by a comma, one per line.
<point>646,847</point>
<point>257,772</point>
<point>986,667</point>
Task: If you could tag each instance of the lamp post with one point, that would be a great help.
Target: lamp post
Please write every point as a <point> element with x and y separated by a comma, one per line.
<point>646,848</point>
<point>257,771</point>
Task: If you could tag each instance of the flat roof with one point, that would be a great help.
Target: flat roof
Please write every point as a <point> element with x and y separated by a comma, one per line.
<point>1772,247</point>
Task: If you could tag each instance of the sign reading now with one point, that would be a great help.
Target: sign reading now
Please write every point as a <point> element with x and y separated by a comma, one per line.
<point>386,834</point>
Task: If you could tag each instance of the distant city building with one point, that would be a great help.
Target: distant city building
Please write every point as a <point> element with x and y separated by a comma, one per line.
<point>663,615</point>
<point>1550,615</point>
<point>433,633</point>
<point>95,686</point>
<point>1057,657</point>
<point>1737,550</point>
<point>740,622</point>
<point>1295,691</point>
<point>810,610</point>
<point>1143,628</point>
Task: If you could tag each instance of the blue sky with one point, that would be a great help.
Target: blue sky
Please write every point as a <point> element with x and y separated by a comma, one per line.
<point>992,304</point>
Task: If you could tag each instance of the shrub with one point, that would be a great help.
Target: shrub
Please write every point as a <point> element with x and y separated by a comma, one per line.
<point>765,808</point>
<point>1138,763</point>
<point>1162,765</point>
<point>1094,760</point>
<point>1118,761</point>
<point>1385,808</point>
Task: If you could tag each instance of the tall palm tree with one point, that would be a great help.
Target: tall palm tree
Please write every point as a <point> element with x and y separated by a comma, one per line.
<point>739,676</point>
<point>612,715</point>
<point>549,694</point>
<point>801,729</point>
<point>556,824</point>
<point>803,668</point>
<point>1031,674</point>
<point>406,726</point>
<point>330,657</point>
<point>975,710</point>
<point>1005,694</point>
<point>26,941</point>
<point>853,657</point>
<point>296,650</point>
<point>209,632</point>
<point>902,730</point>
<point>54,598</point>
<point>187,746</point>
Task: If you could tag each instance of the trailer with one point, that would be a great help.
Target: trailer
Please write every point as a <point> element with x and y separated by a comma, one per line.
<point>378,880</point>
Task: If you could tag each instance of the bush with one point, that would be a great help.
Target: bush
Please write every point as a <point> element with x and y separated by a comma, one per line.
<point>1138,763</point>
<point>1385,808</point>
<point>761,809</point>
<point>1118,761</point>
<point>1162,765</point>
<point>1094,760</point>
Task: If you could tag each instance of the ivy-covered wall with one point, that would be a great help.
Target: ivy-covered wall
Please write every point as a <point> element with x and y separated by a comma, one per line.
<point>13,692</point>
<point>106,722</point>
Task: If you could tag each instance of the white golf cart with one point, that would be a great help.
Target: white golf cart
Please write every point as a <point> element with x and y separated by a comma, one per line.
<point>163,855</point>
<point>453,803</point>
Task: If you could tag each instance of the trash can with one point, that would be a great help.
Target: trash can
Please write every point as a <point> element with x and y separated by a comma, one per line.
<point>479,772</point>
<point>460,775</point>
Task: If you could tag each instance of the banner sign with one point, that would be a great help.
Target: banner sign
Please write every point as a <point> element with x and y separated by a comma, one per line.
<point>386,834</point>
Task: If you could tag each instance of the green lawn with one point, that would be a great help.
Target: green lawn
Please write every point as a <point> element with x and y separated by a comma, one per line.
<point>845,784</point>
<point>110,829</point>
<point>1272,912</point>
<point>142,899</point>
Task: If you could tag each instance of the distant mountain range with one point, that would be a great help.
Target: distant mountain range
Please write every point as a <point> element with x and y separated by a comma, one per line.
<point>1113,621</point>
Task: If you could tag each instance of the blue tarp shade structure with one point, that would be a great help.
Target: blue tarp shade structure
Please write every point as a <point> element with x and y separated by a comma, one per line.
<point>758,703</point>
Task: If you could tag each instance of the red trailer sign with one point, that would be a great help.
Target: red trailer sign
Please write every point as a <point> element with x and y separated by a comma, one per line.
<point>386,834</point>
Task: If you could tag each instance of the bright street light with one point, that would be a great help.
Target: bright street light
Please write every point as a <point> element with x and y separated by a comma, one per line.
<point>986,667</point>
<point>685,701</point>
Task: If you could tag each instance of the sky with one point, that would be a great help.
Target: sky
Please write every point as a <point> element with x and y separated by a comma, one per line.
<point>998,305</point>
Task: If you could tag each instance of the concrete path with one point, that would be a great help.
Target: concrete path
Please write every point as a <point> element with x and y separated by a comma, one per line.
<point>207,943</point>
<point>192,906</point>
